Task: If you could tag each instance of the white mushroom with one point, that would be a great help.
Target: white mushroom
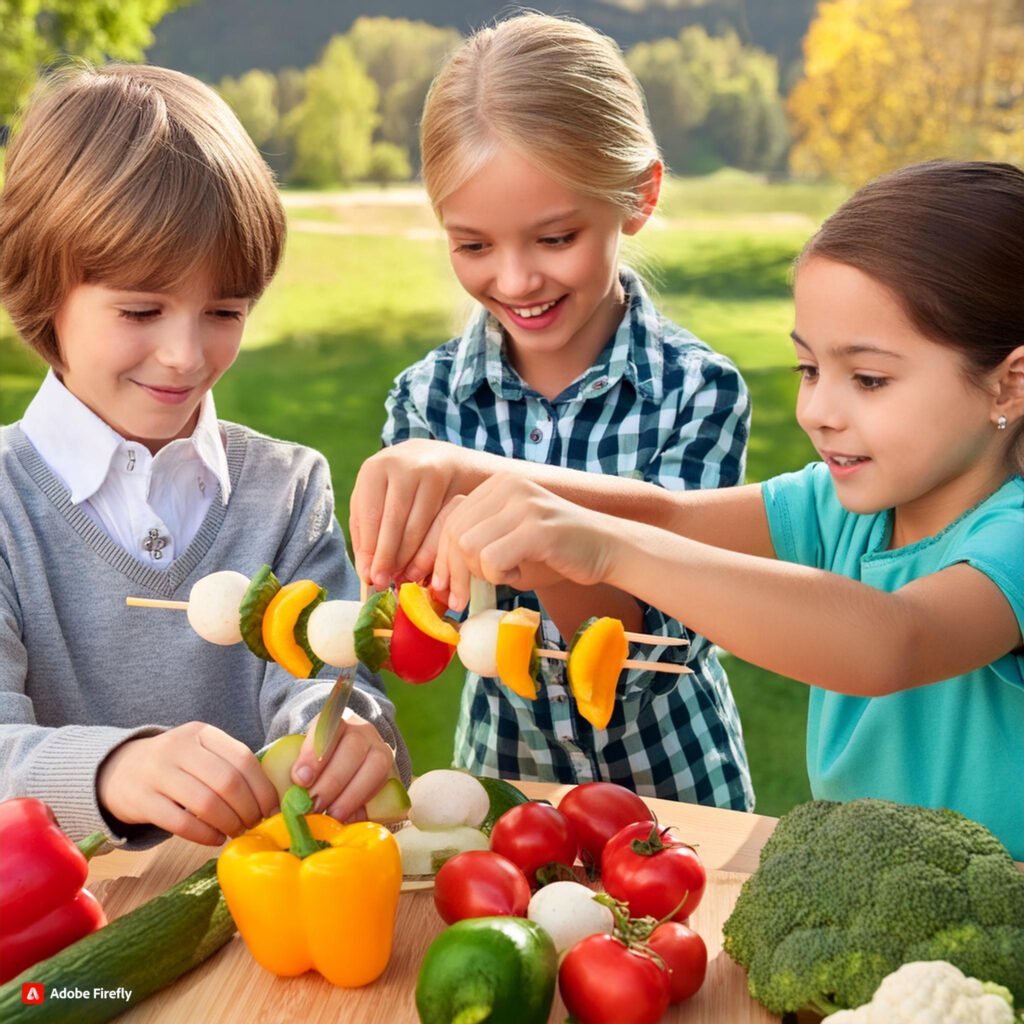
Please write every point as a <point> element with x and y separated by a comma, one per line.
<point>213,606</point>
<point>478,642</point>
<point>330,632</point>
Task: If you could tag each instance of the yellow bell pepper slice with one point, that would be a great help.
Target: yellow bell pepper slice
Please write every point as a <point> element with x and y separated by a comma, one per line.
<point>515,656</point>
<point>418,606</point>
<point>327,903</point>
<point>279,621</point>
<point>595,661</point>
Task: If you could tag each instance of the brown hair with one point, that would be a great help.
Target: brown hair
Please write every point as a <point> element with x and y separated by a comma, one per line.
<point>554,90</point>
<point>135,177</point>
<point>947,239</point>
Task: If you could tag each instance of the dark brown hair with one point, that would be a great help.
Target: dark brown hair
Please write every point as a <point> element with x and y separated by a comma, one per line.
<point>947,239</point>
<point>134,177</point>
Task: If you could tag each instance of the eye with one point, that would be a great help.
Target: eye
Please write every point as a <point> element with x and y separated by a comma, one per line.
<point>139,315</point>
<point>868,383</point>
<point>469,248</point>
<point>807,371</point>
<point>556,241</point>
<point>228,314</point>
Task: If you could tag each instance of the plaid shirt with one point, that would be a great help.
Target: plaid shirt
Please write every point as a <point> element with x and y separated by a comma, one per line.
<point>657,405</point>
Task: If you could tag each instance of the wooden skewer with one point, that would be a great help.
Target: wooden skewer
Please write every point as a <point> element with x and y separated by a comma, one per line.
<point>649,666</point>
<point>642,638</point>
<point>152,602</point>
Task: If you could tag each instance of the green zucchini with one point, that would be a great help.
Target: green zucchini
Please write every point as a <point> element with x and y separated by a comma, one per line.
<point>262,588</point>
<point>302,634</point>
<point>377,613</point>
<point>141,952</point>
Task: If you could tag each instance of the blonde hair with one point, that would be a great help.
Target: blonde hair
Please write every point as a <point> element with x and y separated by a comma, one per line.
<point>136,177</point>
<point>554,90</point>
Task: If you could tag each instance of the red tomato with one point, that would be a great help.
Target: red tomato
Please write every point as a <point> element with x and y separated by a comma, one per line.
<point>479,883</point>
<point>603,981</point>
<point>416,657</point>
<point>597,811</point>
<point>685,956</point>
<point>532,835</point>
<point>654,883</point>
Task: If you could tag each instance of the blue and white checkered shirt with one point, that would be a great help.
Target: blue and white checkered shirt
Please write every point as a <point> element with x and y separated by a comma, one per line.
<point>658,405</point>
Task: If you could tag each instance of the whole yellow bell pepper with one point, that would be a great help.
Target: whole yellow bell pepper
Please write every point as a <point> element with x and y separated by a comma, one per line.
<point>307,892</point>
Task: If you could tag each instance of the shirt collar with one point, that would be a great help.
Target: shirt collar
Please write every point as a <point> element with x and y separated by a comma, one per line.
<point>634,352</point>
<point>55,415</point>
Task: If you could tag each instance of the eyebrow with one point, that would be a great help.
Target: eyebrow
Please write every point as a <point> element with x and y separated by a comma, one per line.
<point>538,226</point>
<point>859,349</point>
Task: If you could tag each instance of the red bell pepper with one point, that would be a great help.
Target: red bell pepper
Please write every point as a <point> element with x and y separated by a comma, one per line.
<point>43,907</point>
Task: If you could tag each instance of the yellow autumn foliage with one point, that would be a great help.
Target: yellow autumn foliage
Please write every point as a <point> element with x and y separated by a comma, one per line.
<point>890,82</point>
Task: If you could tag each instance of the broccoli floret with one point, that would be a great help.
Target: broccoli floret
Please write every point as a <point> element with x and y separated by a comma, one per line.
<point>846,893</point>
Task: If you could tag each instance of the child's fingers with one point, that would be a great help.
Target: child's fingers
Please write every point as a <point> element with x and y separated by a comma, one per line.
<point>196,796</point>
<point>427,504</point>
<point>366,505</point>
<point>236,775</point>
<point>166,814</point>
<point>308,766</point>
<point>369,776</point>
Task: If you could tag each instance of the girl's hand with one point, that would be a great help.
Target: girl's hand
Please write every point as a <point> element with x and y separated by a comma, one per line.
<point>358,766</point>
<point>515,532</point>
<point>397,496</point>
<point>194,781</point>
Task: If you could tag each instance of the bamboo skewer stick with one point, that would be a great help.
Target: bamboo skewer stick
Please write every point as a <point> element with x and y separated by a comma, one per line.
<point>152,602</point>
<point>640,638</point>
<point>651,666</point>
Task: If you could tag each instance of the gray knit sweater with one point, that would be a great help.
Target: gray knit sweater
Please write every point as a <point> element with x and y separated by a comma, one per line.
<point>80,672</point>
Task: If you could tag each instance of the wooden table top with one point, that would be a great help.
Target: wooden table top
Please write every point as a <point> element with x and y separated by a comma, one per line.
<point>231,987</point>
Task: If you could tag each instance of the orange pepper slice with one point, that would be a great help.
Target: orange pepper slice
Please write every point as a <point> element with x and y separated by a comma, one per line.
<point>517,641</point>
<point>279,621</point>
<point>595,662</point>
<point>418,606</point>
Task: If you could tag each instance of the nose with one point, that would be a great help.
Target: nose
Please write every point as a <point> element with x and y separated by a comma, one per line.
<point>819,406</point>
<point>517,277</point>
<point>180,347</point>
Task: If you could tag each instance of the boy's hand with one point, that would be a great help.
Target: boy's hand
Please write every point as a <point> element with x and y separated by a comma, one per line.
<point>353,772</point>
<point>515,532</point>
<point>397,496</point>
<point>194,781</point>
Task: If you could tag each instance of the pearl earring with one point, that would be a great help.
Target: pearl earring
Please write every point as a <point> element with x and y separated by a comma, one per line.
<point>1001,423</point>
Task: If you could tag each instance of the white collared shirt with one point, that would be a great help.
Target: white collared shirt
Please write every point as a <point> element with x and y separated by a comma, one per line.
<point>151,505</point>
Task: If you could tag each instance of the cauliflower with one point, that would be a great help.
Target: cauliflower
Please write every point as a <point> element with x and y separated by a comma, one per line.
<point>932,992</point>
<point>847,893</point>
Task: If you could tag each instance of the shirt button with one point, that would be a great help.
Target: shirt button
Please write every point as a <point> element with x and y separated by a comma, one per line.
<point>600,385</point>
<point>535,435</point>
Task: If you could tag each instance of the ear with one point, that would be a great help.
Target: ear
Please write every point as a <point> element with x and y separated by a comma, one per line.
<point>1009,401</point>
<point>647,198</point>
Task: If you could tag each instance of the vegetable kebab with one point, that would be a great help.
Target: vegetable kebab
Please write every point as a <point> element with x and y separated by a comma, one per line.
<point>294,625</point>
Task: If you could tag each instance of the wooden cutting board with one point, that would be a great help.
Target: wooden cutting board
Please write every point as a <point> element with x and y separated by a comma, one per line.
<point>232,987</point>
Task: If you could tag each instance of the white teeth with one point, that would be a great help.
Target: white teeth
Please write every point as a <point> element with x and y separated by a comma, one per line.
<point>530,311</point>
<point>843,461</point>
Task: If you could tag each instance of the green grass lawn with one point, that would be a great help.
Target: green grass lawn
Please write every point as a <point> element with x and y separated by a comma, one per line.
<point>349,311</point>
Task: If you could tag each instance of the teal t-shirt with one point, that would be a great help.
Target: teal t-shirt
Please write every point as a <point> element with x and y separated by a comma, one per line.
<point>957,743</point>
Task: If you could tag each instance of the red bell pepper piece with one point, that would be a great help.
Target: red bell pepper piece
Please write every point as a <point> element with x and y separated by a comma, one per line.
<point>43,907</point>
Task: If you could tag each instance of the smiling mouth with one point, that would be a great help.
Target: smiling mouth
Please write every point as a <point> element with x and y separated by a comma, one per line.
<point>844,460</point>
<point>526,312</point>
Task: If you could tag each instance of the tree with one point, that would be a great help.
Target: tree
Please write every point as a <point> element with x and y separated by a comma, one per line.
<point>712,100</point>
<point>333,124</point>
<point>36,33</point>
<point>890,82</point>
<point>402,57</point>
<point>388,163</point>
<point>253,98</point>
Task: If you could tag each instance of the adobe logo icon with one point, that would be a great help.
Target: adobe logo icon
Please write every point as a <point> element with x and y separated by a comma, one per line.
<point>32,992</point>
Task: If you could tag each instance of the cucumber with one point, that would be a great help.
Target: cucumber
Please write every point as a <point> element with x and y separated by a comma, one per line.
<point>502,795</point>
<point>278,758</point>
<point>262,587</point>
<point>143,951</point>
